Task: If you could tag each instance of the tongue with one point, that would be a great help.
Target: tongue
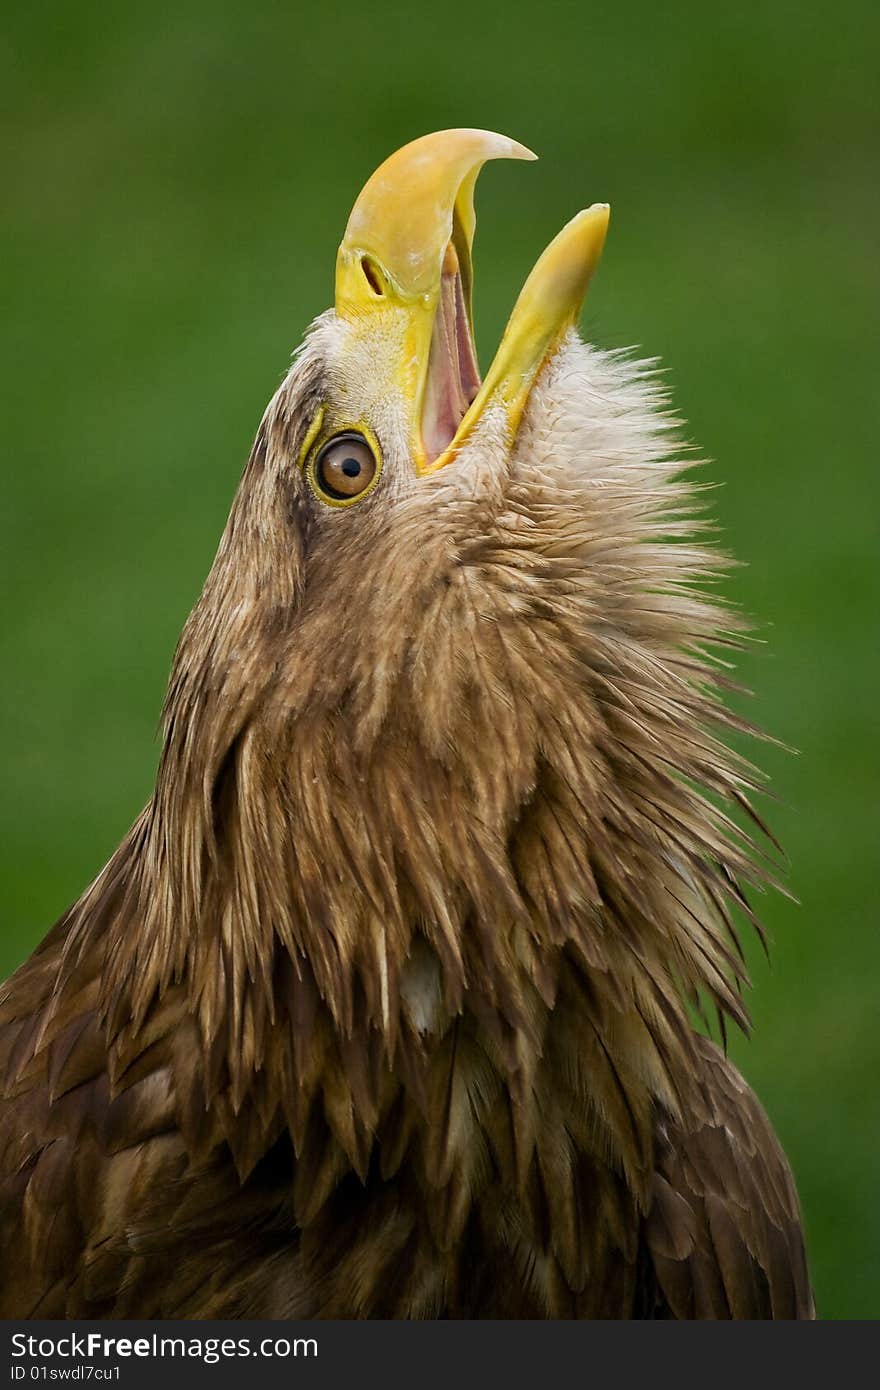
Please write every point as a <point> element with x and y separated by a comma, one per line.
<point>453,375</point>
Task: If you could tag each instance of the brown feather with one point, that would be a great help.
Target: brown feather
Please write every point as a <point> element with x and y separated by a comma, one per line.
<point>381,1008</point>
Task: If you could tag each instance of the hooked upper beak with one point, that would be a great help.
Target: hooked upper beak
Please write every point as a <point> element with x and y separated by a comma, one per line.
<point>407,247</point>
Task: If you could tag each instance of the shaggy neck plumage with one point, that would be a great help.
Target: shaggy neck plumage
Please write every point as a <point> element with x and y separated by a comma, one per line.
<point>485,811</point>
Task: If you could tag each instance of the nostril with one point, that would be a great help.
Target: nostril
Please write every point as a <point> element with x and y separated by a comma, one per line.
<point>372,275</point>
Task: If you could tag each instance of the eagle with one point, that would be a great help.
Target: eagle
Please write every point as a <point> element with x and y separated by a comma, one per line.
<point>397,999</point>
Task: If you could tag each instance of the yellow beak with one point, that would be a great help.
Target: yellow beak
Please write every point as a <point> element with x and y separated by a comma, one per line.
<point>407,249</point>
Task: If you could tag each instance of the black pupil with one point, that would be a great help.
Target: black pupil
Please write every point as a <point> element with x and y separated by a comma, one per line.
<point>350,467</point>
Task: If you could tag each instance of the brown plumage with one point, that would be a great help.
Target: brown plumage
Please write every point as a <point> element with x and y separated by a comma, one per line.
<point>383,1008</point>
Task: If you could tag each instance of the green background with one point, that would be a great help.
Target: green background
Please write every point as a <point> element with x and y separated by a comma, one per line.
<point>177,177</point>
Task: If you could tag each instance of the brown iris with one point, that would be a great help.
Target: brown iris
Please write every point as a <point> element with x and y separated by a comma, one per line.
<point>345,467</point>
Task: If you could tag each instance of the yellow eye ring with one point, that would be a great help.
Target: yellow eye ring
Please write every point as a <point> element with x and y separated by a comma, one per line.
<point>344,467</point>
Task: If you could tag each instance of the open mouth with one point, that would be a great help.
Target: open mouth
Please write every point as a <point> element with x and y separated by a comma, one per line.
<point>453,396</point>
<point>453,377</point>
<point>407,246</point>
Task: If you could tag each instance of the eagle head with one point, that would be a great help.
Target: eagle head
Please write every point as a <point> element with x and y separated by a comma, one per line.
<point>442,727</point>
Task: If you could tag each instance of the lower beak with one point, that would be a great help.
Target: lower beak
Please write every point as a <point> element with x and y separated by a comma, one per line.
<point>408,246</point>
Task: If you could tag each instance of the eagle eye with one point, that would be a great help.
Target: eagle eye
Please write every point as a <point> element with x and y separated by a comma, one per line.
<point>345,468</point>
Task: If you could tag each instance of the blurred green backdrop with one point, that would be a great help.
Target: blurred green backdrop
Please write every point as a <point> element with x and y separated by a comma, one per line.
<point>177,177</point>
